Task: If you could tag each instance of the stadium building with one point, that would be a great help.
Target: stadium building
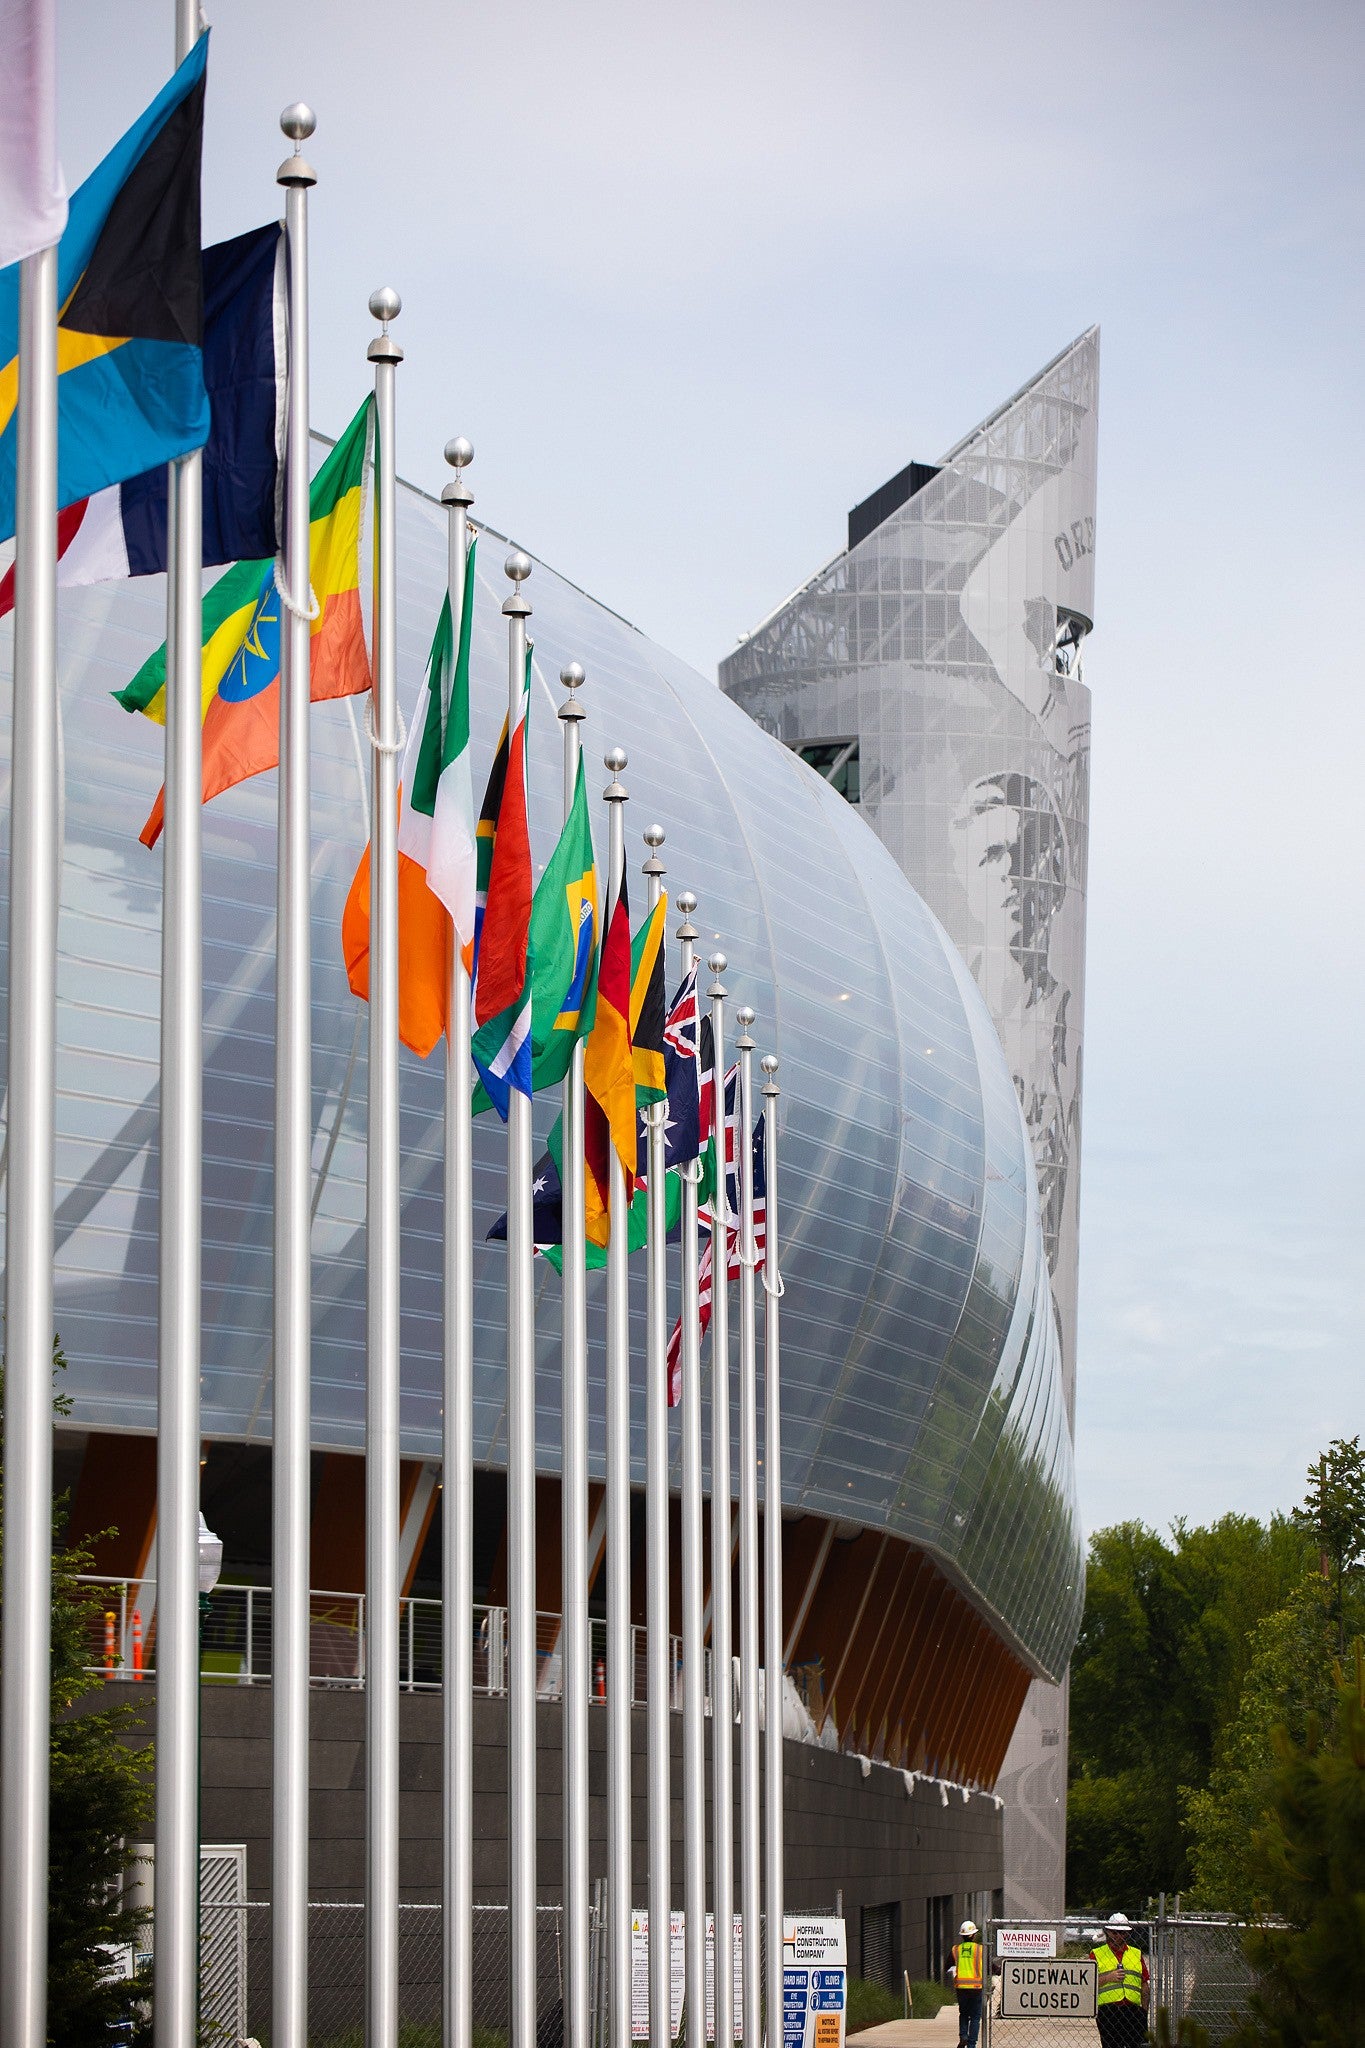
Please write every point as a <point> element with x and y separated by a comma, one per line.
<point>932,673</point>
<point>932,1554</point>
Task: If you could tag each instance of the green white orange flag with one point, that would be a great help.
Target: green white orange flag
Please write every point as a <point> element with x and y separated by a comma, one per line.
<point>443,787</point>
<point>424,924</point>
<point>242,615</point>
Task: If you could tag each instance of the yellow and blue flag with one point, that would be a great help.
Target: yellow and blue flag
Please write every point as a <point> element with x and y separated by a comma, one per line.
<point>130,308</point>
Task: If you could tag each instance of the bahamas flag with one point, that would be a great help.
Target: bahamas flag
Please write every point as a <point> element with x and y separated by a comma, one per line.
<point>241,631</point>
<point>130,298</point>
<point>563,954</point>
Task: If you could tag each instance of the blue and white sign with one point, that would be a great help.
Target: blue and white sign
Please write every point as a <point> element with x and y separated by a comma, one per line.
<point>814,1982</point>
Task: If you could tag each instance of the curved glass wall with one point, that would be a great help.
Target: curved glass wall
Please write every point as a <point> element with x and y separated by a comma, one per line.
<point>920,1360</point>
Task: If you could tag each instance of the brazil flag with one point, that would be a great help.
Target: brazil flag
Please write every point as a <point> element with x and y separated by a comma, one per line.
<point>130,308</point>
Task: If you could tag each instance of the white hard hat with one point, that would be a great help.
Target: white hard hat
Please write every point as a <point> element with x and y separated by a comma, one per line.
<point>967,1927</point>
<point>1118,1920</point>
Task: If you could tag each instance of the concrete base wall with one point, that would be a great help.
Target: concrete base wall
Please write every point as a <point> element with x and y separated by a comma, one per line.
<point>863,1836</point>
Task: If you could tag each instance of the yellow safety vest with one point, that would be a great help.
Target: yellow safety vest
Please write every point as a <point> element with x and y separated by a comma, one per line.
<point>967,1956</point>
<point>1131,1965</point>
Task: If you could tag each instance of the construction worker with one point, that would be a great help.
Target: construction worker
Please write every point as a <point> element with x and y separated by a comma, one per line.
<point>967,1974</point>
<point>1123,1987</point>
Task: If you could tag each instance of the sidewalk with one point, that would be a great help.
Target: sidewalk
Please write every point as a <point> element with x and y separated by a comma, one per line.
<point>909,2033</point>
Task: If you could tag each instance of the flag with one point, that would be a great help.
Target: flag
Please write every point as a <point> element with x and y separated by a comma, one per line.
<point>32,193</point>
<point>705,1269</point>
<point>608,1074</point>
<point>241,631</point>
<point>647,1007</point>
<point>501,1044</point>
<point>563,950</point>
<point>547,1206</point>
<point>424,934</point>
<point>130,297</point>
<point>121,531</point>
<point>452,866</point>
<point>682,1075</point>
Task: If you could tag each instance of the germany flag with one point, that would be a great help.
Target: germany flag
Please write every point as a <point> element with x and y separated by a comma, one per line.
<point>130,294</point>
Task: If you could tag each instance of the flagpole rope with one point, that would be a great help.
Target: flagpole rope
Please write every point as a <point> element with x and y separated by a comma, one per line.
<point>379,745</point>
<point>287,601</point>
<point>776,1292</point>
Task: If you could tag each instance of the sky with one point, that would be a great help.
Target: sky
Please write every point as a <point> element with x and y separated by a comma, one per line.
<point>695,280</point>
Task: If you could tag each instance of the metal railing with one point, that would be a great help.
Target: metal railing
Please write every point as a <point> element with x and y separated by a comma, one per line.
<point>236,1643</point>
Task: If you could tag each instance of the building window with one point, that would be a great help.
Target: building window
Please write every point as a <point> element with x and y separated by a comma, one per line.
<point>837,761</point>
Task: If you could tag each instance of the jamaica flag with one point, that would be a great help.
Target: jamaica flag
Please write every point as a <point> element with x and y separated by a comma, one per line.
<point>130,308</point>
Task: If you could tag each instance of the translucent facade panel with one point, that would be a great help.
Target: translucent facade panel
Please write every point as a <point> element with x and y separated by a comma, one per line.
<point>906,1214</point>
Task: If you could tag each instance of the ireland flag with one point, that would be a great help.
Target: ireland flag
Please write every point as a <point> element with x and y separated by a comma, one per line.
<point>443,787</point>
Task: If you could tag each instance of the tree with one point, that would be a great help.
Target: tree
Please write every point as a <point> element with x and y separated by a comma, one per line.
<point>1308,1862</point>
<point>1333,1513</point>
<point>1289,1682</point>
<point>1163,1653</point>
<point>100,1796</point>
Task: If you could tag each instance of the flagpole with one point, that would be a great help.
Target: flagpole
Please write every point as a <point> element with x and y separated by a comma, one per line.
<point>619,1687</point>
<point>521,1468</point>
<point>574,1644</point>
<point>457,1468</point>
<point>290,1446</point>
<point>658,1676</point>
<point>774,1775</point>
<point>24,1734</point>
<point>749,1807</point>
<point>693,1641</point>
<point>381,1246</point>
<point>178,1348</point>
<point>722,1535</point>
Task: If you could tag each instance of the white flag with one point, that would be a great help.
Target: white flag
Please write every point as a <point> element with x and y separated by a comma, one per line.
<point>32,191</point>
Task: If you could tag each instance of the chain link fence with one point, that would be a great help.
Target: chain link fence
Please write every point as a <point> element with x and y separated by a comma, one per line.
<point>1195,1970</point>
<point>235,1951</point>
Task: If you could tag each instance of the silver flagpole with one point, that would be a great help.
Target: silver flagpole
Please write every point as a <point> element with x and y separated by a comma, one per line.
<point>693,1641</point>
<point>521,1470</point>
<point>722,1528</point>
<point>381,1240</point>
<point>750,1865</point>
<point>658,1674</point>
<point>619,1661</point>
<point>24,1735</point>
<point>772,1549</point>
<point>291,1487</point>
<point>457,1496</point>
<point>178,1360</point>
<point>574,1646</point>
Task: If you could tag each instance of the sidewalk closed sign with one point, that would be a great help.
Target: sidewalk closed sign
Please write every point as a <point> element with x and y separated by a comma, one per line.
<point>1063,1990</point>
<point>814,1983</point>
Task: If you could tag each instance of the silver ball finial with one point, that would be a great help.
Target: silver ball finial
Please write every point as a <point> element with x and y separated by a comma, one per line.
<point>298,122</point>
<point>744,1016</point>
<point>572,676</point>
<point>654,835</point>
<point>459,452</point>
<point>615,759</point>
<point>769,1064</point>
<point>385,304</point>
<point>517,566</point>
<point>718,963</point>
<point>686,902</point>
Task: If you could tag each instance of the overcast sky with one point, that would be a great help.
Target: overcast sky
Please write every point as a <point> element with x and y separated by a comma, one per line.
<point>696,279</point>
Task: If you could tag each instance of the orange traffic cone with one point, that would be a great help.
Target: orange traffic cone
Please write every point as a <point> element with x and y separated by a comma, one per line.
<point>109,1658</point>
<point>600,1685</point>
<point>137,1646</point>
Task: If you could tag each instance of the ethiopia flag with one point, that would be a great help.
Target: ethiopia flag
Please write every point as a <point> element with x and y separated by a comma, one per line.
<point>130,297</point>
<point>241,632</point>
<point>501,1045</point>
<point>563,950</point>
<point>424,929</point>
